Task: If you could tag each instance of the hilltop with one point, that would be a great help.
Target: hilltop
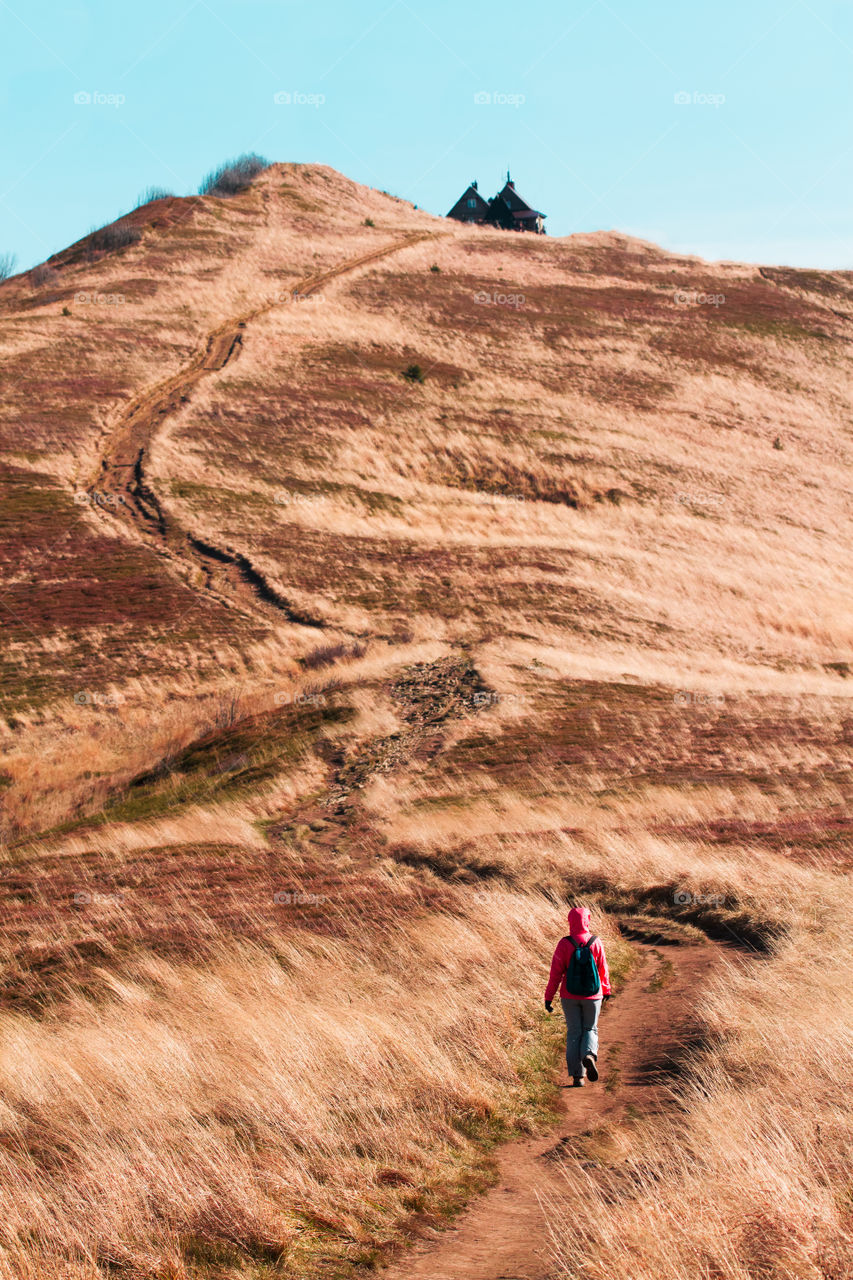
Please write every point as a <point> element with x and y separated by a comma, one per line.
<point>589,464</point>
<point>373,583</point>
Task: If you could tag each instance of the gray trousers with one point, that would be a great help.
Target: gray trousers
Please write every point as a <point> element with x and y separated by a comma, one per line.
<point>581,1032</point>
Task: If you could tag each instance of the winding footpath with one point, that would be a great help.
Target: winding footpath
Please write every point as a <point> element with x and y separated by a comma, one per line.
<point>226,572</point>
<point>504,1235</point>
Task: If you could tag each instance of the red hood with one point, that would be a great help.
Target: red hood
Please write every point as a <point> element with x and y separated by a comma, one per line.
<point>579,923</point>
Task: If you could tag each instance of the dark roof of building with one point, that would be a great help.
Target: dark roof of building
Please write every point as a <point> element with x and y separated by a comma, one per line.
<point>470,193</point>
<point>518,207</point>
<point>505,208</point>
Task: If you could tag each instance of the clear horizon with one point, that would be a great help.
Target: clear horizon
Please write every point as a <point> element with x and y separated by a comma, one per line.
<point>720,134</point>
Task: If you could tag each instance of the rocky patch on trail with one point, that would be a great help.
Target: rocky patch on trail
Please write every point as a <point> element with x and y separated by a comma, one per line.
<point>431,692</point>
<point>428,695</point>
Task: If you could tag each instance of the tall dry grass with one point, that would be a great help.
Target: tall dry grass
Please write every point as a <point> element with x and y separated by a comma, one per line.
<point>750,1175</point>
<point>299,1088</point>
<point>63,763</point>
<point>288,1106</point>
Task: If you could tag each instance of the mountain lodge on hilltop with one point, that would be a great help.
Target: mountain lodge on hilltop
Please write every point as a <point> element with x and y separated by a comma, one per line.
<point>506,210</point>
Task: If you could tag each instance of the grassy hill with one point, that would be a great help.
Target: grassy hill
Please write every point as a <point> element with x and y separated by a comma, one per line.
<point>372,585</point>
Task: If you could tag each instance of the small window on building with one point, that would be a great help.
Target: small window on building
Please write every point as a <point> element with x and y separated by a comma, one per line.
<point>472,203</point>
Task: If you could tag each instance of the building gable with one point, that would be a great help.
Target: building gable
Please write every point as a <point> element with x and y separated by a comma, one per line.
<point>516,204</point>
<point>470,207</point>
<point>507,209</point>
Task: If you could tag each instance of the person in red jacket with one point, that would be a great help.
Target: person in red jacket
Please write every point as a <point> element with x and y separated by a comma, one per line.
<point>580,1011</point>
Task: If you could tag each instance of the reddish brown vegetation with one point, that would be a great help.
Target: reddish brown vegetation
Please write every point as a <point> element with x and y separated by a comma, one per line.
<point>429,655</point>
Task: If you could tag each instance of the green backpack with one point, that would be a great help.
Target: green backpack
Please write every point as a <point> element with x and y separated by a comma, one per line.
<point>582,977</point>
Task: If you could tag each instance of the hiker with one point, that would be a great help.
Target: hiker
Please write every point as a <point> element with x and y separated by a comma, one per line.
<point>579,969</point>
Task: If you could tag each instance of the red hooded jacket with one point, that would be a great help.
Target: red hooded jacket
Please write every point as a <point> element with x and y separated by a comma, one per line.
<point>579,932</point>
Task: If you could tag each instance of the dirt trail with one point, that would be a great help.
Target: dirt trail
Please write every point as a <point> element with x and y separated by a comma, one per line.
<point>121,478</point>
<point>504,1235</point>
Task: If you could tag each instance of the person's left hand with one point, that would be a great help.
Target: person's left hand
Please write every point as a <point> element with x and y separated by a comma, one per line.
<point>549,1006</point>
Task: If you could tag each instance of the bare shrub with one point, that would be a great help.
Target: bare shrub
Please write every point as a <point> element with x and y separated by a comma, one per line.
<point>233,177</point>
<point>116,235</point>
<point>43,275</point>
<point>7,265</point>
<point>328,654</point>
<point>153,193</point>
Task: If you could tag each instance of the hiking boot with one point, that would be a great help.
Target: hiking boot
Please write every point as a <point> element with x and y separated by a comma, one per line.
<point>577,1082</point>
<point>591,1066</point>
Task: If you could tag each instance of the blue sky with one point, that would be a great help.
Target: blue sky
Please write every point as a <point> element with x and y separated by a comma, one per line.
<point>723,129</point>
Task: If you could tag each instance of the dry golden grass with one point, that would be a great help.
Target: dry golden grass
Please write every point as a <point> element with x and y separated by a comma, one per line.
<point>751,1176</point>
<point>290,1106</point>
<point>607,630</point>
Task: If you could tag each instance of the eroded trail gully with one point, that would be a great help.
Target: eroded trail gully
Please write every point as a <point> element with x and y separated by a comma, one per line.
<point>122,487</point>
